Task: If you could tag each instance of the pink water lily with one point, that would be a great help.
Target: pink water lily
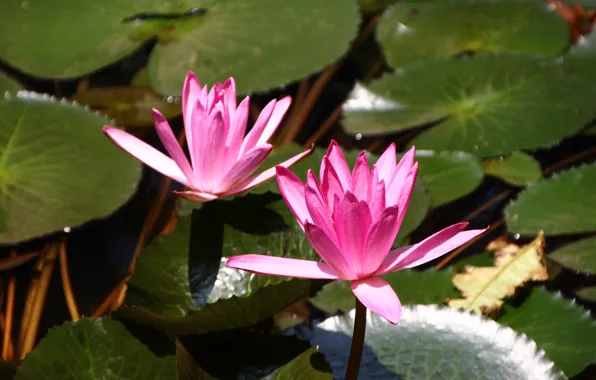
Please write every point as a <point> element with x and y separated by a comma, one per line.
<point>352,220</point>
<point>222,159</point>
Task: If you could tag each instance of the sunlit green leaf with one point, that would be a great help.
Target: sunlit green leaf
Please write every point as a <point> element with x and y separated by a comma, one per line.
<point>518,169</point>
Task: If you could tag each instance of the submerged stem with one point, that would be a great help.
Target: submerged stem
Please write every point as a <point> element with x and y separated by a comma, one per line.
<point>357,342</point>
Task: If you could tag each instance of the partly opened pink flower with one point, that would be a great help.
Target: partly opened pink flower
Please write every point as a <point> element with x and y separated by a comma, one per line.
<point>352,220</point>
<point>222,160</point>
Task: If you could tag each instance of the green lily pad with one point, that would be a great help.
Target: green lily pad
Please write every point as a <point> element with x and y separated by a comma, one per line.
<point>588,294</point>
<point>412,287</point>
<point>310,365</point>
<point>92,349</point>
<point>130,106</point>
<point>449,175</point>
<point>57,169</point>
<point>579,255</point>
<point>581,58</point>
<point>419,30</point>
<point>8,84</point>
<point>431,342</point>
<point>518,169</point>
<point>562,204</point>
<point>263,44</point>
<point>487,105</point>
<point>563,329</point>
<point>171,290</point>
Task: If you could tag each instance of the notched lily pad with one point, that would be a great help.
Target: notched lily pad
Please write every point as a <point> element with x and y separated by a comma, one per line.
<point>57,169</point>
<point>561,204</point>
<point>488,105</point>
<point>419,30</point>
<point>518,169</point>
<point>431,342</point>
<point>176,288</point>
<point>91,349</point>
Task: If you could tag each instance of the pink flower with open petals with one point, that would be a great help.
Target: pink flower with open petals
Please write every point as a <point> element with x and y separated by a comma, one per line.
<point>352,220</point>
<point>222,159</point>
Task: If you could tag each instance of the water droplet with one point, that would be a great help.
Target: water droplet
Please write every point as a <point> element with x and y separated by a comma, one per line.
<point>359,136</point>
<point>67,229</point>
<point>170,99</point>
<point>516,236</point>
<point>501,158</point>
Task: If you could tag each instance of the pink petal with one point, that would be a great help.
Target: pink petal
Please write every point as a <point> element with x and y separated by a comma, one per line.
<point>330,184</point>
<point>352,221</point>
<point>379,240</point>
<point>190,96</point>
<point>317,208</point>
<point>146,154</point>
<point>405,194</point>
<point>429,249</point>
<point>339,163</point>
<point>377,198</point>
<point>378,296</point>
<point>196,196</point>
<point>394,185</point>
<point>361,178</point>
<point>276,117</point>
<point>229,96</point>
<point>251,182</point>
<point>386,163</point>
<point>329,252</point>
<point>250,141</point>
<point>235,135</point>
<point>171,144</point>
<point>210,148</point>
<point>292,190</point>
<point>282,266</point>
<point>245,166</point>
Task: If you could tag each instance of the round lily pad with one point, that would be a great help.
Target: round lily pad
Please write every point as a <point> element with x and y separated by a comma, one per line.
<point>262,43</point>
<point>581,58</point>
<point>562,204</point>
<point>57,169</point>
<point>8,84</point>
<point>579,255</point>
<point>518,169</point>
<point>432,342</point>
<point>418,30</point>
<point>91,349</point>
<point>488,105</point>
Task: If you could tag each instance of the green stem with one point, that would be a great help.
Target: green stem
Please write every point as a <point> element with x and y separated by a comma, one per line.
<point>357,342</point>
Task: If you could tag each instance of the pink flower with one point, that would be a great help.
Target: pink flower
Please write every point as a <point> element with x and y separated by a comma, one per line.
<point>352,220</point>
<point>222,160</point>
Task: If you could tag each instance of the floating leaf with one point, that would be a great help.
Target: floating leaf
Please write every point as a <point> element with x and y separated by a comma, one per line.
<point>130,106</point>
<point>215,39</point>
<point>562,204</point>
<point>91,349</point>
<point>56,165</point>
<point>412,287</point>
<point>161,293</point>
<point>518,169</point>
<point>303,368</point>
<point>431,342</point>
<point>581,58</point>
<point>419,30</point>
<point>8,84</point>
<point>563,329</point>
<point>588,294</point>
<point>579,255</point>
<point>484,288</point>
<point>449,175</point>
<point>487,105</point>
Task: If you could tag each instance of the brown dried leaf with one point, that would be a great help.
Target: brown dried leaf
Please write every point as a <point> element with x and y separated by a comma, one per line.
<point>484,288</point>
